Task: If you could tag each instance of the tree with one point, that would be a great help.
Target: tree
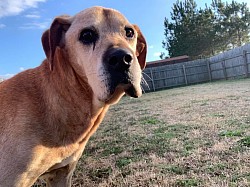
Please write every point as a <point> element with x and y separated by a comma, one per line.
<point>180,31</point>
<point>234,23</point>
<point>204,32</point>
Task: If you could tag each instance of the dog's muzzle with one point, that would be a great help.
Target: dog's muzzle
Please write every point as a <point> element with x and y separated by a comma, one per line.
<point>119,65</point>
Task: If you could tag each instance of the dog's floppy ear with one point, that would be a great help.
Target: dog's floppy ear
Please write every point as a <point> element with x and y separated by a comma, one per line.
<point>141,48</point>
<point>54,37</point>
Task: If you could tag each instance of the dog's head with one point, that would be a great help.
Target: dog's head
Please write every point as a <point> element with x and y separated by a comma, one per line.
<point>103,48</point>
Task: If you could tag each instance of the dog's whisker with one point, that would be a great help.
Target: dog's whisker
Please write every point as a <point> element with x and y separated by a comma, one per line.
<point>143,73</point>
<point>144,82</point>
<point>143,89</point>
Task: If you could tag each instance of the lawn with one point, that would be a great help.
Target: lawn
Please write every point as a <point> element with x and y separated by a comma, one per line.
<point>189,136</point>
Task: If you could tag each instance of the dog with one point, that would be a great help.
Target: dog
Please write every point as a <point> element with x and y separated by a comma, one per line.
<point>47,114</point>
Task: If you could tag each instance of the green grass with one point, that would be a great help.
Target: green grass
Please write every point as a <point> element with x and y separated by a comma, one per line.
<point>150,121</point>
<point>187,182</point>
<point>245,141</point>
<point>178,170</point>
<point>230,133</point>
<point>122,162</point>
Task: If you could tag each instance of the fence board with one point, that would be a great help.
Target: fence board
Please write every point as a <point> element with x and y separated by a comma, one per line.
<point>231,64</point>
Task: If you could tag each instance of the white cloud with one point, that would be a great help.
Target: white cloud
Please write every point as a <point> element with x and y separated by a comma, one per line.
<point>2,25</point>
<point>15,7</point>
<point>157,54</point>
<point>35,25</point>
<point>6,76</point>
<point>151,47</point>
<point>35,16</point>
<point>21,68</point>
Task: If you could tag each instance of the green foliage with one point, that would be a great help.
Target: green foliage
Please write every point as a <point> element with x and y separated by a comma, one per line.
<point>178,170</point>
<point>245,141</point>
<point>150,121</point>
<point>122,162</point>
<point>204,32</point>
<point>186,182</point>
<point>231,133</point>
<point>112,150</point>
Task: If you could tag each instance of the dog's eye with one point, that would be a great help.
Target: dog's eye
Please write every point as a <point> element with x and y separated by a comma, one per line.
<point>88,36</point>
<point>129,32</point>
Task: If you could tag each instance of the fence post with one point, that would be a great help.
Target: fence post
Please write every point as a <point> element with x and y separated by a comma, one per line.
<point>245,63</point>
<point>224,69</point>
<point>209,69</point>
<point>152,78</point>
<point>185,74</point>
<point>165,78</point>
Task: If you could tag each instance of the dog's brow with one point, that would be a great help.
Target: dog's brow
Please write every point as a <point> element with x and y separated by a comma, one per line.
<point>106,13</point>
<point>91,27</point>
<point>112,16</point>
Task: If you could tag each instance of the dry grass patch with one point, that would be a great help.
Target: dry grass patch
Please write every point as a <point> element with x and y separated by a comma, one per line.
<point>190,136</point>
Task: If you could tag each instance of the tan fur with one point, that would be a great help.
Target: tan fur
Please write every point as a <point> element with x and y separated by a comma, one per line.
<point>47,114</point>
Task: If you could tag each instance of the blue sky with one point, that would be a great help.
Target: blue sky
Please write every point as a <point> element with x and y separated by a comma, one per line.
<point>22,23</point>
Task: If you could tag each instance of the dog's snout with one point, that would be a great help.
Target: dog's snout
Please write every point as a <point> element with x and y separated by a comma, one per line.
<point>119,59</point>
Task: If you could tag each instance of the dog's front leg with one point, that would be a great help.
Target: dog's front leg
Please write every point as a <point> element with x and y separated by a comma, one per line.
<point>60,177</point>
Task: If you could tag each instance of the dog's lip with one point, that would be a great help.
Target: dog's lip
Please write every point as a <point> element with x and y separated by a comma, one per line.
<point>129,89</point>
<point>132,91</point>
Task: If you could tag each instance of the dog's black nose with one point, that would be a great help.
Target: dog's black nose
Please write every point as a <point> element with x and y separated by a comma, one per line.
<point>119,59</point>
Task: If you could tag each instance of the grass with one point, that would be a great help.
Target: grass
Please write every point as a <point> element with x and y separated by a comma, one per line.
<point>186,182</point>
<point>191,136</point>
<point>245,141</point>
<point>231,133</point>
<point>183,137</point>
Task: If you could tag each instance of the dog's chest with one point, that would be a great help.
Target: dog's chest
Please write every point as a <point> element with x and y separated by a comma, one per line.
<point>65,155</point>
<point>65,161</point>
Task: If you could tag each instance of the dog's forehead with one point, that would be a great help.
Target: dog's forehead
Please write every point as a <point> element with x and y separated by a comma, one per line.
<point>99,15</point>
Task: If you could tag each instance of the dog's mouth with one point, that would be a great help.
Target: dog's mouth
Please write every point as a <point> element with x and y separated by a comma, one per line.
<point>132,91</point>
<point>119,86</point>
<point>121,89</point>
<point>130,88</point>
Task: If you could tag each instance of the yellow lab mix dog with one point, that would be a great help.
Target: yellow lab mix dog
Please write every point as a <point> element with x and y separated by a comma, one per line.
<point>47,114</point>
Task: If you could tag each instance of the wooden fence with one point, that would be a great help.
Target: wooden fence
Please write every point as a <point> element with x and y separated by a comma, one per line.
<point>228,65</point>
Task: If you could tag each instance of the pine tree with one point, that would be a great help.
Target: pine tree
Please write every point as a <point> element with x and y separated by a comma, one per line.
<point>180,32</point>
<point>235,20</point>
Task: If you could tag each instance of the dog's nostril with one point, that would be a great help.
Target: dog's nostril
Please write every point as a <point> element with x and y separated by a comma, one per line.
<point>127,59</point>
